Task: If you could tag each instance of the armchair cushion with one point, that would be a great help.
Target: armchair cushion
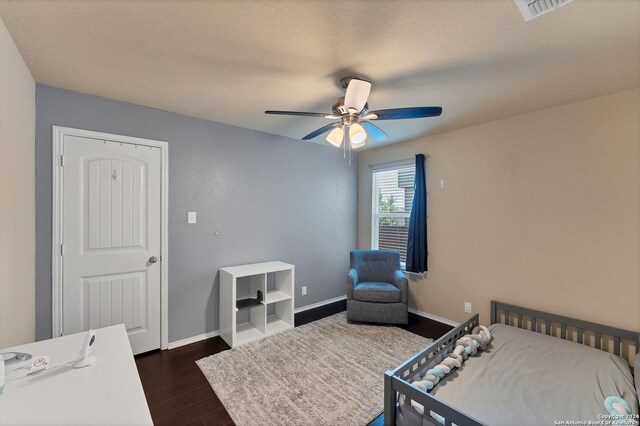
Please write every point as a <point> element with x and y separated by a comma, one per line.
<point>375,265</point>
<point>377,292</point>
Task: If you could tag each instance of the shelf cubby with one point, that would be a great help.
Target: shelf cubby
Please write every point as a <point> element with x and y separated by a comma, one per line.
<point>282,317</point>
<point>254,328</point>
<point>276,325</point>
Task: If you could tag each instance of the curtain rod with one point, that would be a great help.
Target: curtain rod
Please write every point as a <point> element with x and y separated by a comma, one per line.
<point>371,166</point>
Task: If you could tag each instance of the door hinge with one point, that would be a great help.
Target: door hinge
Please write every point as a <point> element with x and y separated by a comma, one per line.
<point>62,161</point>
<point>61,249</point>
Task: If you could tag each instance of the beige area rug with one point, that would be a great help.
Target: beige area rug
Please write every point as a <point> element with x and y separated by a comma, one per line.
<point>324,373</point>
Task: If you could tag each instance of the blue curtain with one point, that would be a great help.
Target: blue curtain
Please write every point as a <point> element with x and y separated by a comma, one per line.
<point>417,242</point>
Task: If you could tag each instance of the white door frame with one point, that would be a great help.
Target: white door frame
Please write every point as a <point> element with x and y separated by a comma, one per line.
<point>56,255</point>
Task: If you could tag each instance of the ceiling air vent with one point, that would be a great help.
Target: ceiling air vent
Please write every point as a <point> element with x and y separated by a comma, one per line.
<point>533,8</point>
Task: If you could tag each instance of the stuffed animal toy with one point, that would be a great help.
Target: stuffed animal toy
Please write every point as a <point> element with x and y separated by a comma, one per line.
<point>619,409</point>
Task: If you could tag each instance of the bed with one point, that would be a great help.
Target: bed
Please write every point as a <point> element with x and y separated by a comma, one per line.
<point>540,368</point>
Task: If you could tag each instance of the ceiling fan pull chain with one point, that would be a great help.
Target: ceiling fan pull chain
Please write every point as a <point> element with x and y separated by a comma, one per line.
<point>344,145</point>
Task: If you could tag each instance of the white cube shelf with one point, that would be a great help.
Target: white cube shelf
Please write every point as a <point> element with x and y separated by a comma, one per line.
<point>244,316</point>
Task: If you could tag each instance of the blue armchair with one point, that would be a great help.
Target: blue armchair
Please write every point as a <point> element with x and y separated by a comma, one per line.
<point>377,290</point>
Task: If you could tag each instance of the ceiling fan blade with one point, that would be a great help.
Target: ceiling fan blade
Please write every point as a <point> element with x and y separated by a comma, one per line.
<point>357,94</point>
<point>321,130</point>
<point>303,114</point>
<point>374,131</point>
<point>403,113</point>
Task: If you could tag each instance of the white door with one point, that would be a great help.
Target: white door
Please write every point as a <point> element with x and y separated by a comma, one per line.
<point>111,238</point>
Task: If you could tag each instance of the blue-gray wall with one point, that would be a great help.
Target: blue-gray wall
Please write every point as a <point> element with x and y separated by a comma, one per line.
<point>270,197</point>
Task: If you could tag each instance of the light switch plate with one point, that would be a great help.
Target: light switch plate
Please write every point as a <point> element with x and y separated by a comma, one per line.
<point>191,217</point>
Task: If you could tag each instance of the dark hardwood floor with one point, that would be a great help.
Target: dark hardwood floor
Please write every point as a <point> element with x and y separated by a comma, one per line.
<point>178,393</point>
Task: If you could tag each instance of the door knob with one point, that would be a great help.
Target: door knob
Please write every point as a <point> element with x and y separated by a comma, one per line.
<point>153,259</point>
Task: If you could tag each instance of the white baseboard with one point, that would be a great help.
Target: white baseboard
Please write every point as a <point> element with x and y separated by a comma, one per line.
<point>434,317</point>
<point>188,340</point>
<point>317,305</point>
<point>194,339</point>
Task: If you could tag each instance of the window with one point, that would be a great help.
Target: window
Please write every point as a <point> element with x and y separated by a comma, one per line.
<point>391,207</point>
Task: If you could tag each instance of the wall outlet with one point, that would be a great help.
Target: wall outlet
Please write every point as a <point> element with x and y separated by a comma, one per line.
<point>304,290</point>
<point>467,307</point>
<point>191,217</point>
<point>441,183</point>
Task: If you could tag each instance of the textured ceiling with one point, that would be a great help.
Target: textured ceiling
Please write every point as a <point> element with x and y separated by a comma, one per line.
<point>228,61</point>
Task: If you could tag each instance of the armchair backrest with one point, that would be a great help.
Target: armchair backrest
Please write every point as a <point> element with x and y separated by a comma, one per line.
<point>375,265</point>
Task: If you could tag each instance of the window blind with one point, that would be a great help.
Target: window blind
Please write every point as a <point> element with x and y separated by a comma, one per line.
<point>391,207</point>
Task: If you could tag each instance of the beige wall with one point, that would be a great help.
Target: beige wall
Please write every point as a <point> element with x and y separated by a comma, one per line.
<point>17,196</point>
<point>540,209</point>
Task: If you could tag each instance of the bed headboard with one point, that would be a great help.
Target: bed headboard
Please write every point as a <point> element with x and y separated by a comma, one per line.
<point>606,338</point>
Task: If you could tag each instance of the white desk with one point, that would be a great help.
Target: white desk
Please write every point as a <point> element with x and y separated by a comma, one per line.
<point>106,393</point>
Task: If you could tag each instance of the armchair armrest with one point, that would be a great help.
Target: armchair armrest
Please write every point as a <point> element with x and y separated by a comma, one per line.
<point>352,280</point>
<point>400,281</point>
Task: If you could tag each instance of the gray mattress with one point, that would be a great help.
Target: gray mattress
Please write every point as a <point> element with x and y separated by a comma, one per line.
<point>527,378</point>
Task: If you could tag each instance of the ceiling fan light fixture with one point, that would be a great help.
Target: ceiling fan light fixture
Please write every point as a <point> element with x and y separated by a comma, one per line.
<point>336,136</point>
<point>357,135</point>
<point>358,145</point>
<point>352,111</point>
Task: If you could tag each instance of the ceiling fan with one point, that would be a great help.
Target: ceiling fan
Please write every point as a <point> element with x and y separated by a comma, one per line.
<point>352,111</point>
